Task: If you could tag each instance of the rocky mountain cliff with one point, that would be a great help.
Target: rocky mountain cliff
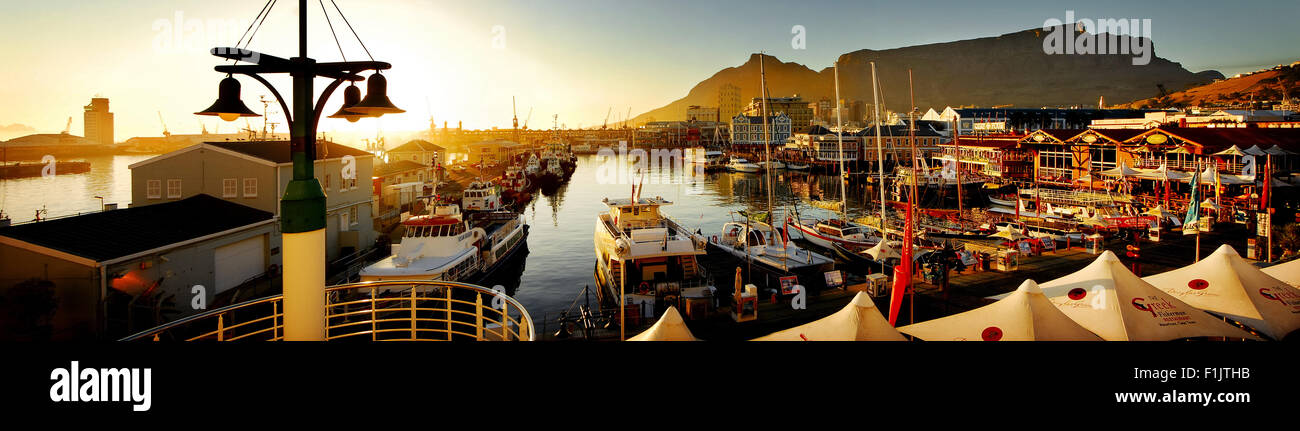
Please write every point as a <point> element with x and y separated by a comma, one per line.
<point>1011,69</point>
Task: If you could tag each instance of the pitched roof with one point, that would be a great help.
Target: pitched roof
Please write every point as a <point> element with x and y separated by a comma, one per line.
<point>111,234</point>
<point>418,145</point>
<point>279,151</point>
<point>1213,139</point>
<point>386,169</point>
<point>898,130</point>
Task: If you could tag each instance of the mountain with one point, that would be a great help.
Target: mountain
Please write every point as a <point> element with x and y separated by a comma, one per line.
<point>1267,85</point>
<point>1011,69</point>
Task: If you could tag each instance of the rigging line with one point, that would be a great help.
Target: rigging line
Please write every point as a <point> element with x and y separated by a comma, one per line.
<point>332,33</point>
<point>250,24</point>
<point>259,25</point>
<point>354,31</point>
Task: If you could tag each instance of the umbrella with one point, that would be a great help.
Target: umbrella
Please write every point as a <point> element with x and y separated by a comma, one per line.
<point>1112,302</point>
<point>1231,151</point>
<point>1209,205</point>
<point>1255,151</point>
<point>1223,283</point>
<point>670,327</point>
<point>1096,220</point>
<point>1288,272</point>
<point>1024,315</point>
<point>860,320</point>
<point>1277,151</point>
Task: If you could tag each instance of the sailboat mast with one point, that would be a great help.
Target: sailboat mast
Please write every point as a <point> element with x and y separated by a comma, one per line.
<point>911,136</point>
<point>880,150</point>
<point>767,151</point>
<point>839,132</point>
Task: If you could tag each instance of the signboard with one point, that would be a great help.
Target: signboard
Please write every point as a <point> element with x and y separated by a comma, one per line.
<point>1252,251</point>
<point>1204,224</point>
<point>1240,217</point>
<point>967,258</point>
<point>1049,244</point>
<point>1263,223</point>
<point>834,279</point>
<point>1025,248</point>
<point>788,283</point>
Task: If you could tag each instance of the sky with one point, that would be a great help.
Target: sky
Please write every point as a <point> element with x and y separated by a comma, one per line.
<point>464,60</point>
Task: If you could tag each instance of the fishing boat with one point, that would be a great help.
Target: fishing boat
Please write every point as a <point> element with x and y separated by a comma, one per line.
<point>481,196</point>
<point>515,187</point>
<point>646,257</point>
<point>445,246</point>
<point>738,164</point>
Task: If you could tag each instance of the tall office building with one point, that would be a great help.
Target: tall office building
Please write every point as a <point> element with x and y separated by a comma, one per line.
<point>98,121</point>
<point>728,101</point>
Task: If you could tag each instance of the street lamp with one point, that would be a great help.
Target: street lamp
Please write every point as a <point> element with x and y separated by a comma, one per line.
<point>302,208</point>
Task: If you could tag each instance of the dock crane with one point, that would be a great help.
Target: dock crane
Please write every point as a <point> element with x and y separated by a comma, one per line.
<point>606,125</point>
<point>626,117</point>
<point>164,124</point>
<point>67,130</point>
<point>530,115</point>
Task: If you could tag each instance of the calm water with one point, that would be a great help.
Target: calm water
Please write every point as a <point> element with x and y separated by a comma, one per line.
<point>65,195</point>
<point>561,256</point>
<point>562,251</point>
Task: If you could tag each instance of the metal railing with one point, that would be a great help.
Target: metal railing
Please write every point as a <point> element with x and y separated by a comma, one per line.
<point>373,311</point>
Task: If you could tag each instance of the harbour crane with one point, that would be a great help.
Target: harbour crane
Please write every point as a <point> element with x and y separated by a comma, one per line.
<point>530,115</point>
<point>626,117</point>
<point>164,124</point>
<point>606,125</point>
<point>67,130</point>
<point>202,126</point>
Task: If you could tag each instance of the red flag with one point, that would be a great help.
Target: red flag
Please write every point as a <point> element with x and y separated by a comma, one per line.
<point>1263,196</point>
<point>902,272</point>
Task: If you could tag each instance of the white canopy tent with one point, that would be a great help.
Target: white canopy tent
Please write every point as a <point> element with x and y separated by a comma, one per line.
<point>1163,173</point>
<point>1024,315</point>
<point>1225,284</point>
<point>670,327</point>
<point>1207,177</point>
<point>860,320</point>
<point>1112,302</point>
<point>1231,151</point>
<point>1278,151</point>
<point>1255,150</point>
<point>1120,171</point>
<point>1288,272</point>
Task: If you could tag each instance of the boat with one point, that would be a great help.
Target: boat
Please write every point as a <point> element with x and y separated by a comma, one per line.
<point>481,196</point>
<point>776,164</point>
<point>827,232</point>
<point>646,257</point>
<point>710,160</point>
<point>796,166</point>
<point>738,164</point>
<point>1037,231</point>
<point>755,241</point>
<point>515,187</point>
<point>443,246</point>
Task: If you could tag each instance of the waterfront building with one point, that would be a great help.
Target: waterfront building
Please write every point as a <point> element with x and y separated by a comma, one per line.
<point>119,271</point>
<point>678,134</point>
<point>98,121</point>
<point>490,150</point>
<point>998,156</point>
<point>255,174</point>
<point>419,151</point>
<point>747,131</point>
<point>702,113</point>
<point>1001,120</point>
<point>895,143</point>
<point>395,187</point>
<point>59,145</point>
<point>801,116</point>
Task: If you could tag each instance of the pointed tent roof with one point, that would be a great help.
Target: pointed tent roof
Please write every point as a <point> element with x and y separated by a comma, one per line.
<point>1231,151</point>
<point>1277,150</point>
<point>670,327</point>
<point>1024,315</point>
<point>1288,272</point>
<point>931,116</point>
<point>1164,173</point>
<point>1225,284</point>
<point>1120,171</point>
<point>1254,150</point>
<point>860,320</point>
<point>1112,302</point>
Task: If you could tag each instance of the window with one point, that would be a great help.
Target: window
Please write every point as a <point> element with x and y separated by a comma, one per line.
<point>173,188</point>
<point>327,181</point>
<point>250,187</point>
<point>229,188</point>
<point>154,189</point>
<point>352,215</point>
<point>343,221</point>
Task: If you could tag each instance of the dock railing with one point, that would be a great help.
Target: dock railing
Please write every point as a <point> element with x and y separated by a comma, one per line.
<point>369,311</point>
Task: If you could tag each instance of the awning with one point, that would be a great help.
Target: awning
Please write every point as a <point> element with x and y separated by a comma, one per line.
<point>1024,315</point>
<point>1231,151</point>
<point>1225,284</point>
<point>860,320</point>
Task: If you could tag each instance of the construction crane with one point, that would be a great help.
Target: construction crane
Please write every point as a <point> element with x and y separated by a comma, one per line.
<point>530,115</point>
<point>514,113</point>
<point>606,125</point>
<point>626,117</point>
<point>202,126</point>
<point>67,130</point>
<point>164,124</point>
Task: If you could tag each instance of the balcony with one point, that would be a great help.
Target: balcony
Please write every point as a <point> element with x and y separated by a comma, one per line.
<point>370,311</point>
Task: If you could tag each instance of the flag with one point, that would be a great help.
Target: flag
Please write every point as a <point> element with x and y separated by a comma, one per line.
<point>1263,195</point>
<point>902,272</point>
<point>1193,206</point>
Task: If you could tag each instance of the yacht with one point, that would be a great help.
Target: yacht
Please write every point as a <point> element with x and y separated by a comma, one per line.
<point>647,257</point>
<point>710,160</point>
<point>444,246</point>
<point>827,232</point>
<point>760,243</point>
<point>776,164</point>
<point>738,164</point>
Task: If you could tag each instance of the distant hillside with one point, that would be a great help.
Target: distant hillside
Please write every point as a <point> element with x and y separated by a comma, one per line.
<point>1010,69</point>
<point>1267,85</point>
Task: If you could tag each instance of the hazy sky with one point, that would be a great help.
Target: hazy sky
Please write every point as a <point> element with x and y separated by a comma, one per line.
<point>572,58</point>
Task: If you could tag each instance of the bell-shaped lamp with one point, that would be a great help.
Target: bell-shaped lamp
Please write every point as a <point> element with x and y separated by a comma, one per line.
<point>351,97</point>
<point>376,102</point>
<point>228,105</point>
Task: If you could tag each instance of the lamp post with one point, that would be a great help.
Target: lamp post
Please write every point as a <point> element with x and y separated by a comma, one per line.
<point>302,208</point>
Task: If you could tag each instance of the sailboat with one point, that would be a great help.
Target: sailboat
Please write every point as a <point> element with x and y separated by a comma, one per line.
<point>828,232</point>
<point>756,241</point>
